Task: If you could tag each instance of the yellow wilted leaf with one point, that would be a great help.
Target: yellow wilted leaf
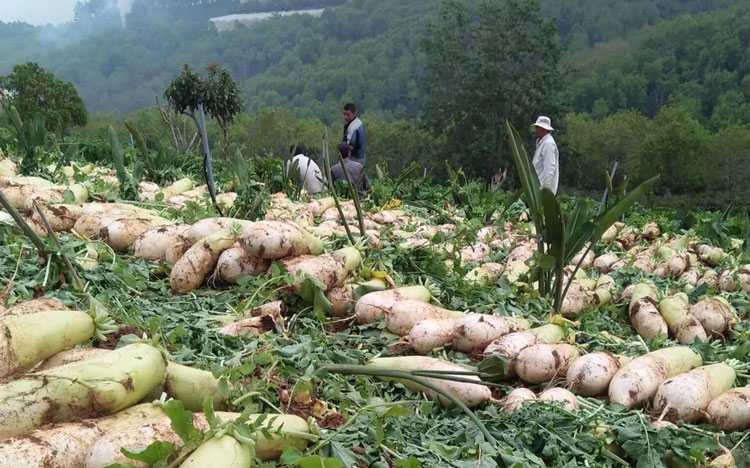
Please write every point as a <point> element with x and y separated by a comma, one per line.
<point>393,203</point>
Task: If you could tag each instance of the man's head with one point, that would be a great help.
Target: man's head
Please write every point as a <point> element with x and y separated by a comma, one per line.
<point>344,149</point>
<point>350,112</point>
<point>296,149</point>
<point>542,126</point>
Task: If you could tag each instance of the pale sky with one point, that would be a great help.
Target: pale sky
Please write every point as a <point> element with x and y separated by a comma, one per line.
<point>37,11</point>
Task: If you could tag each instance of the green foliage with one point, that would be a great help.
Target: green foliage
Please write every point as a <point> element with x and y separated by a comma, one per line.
<point>484,65</point>
<point>128,186</point>
<point>35,91</point>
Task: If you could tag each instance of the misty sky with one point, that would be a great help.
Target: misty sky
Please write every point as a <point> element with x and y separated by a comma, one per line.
<point>37,11</point>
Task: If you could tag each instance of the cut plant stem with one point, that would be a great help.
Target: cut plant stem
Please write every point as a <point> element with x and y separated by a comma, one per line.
<point>52,234</point>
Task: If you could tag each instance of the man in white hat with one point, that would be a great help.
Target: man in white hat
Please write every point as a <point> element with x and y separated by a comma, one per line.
<point>546,157</point>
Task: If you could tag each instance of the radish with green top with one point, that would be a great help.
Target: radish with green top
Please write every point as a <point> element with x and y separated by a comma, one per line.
<point>716,315</point>
<point>590,374</point>
<point>431,333</point>
<point>684,326</point>
<point>730,411</point>
<point>402,317</point>
<point>686,397</point>
<point>476,331</point>
<point>99,386</point>
<point>541,363</point>
<point>274,240</point>
<point>638,380</point>
<point>469,394</point>
<point>371,307</point>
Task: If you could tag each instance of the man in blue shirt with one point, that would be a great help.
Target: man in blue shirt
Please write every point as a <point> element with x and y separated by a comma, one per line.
<point>355,134</point>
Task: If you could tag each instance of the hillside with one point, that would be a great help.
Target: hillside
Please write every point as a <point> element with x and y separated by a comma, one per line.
<point>364,50</point>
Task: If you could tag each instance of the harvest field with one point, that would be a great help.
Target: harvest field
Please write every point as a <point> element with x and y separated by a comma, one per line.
<point>282,309</point>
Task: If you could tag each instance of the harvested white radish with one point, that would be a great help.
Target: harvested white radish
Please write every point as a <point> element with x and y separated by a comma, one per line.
<point>69,356</point>
<point>686,397</point>
<point>405,314</point>
<point>191,269</point>
<point>560,394</point>
<point>516,398</point>
<point>123,233</point>
<point>476,331</point>
<point>591,374</point>
<point>716,315</point>
<point>153,244</point>
<point>208,226</point>
<point>33,306</point>
<point>684,326</point>
<point>61,217</point>
<point>235,262</point>
<point>638,380</point>
<point>371,307</point>
<point>646,319</point>
<point>730,411</point>
<point>431,333</point>
<point>510,345</point>
<point>275,240</point>
<point>541,363</point>
<point>468,393</point>
<point>331,269</point>
<point>603,263</point>
<point>176,249</point>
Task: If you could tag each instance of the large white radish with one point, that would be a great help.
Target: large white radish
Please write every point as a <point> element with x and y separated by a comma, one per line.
<point>516,398</point>
<point>590,374</point>
<point>153,244</point>
<point>70,356</point>
<point>405,314</point>
<point>686,397</point>
<point>469,394</point>
<point>331,269</point>
<point>560,394</point>
<point>191,269</point>
<point>371,307</point>
<point>716,315</point>
<point>646,319</point>
<point>476,331</point>
<point>638,380</point>
<point>235,262</point>
<point>541,363</point>
<point>684,327</point>
<point>510,345</point>
<point>123,233</point>
<point>730,411</point>
<point>431,333</point>
<point>275,240</point>
<point>33,306</point>
<point>205,227</point>
<point>99,386</point>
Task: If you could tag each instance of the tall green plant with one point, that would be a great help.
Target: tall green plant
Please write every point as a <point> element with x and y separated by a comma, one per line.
<point>128,186</point>
<point>561,235</point>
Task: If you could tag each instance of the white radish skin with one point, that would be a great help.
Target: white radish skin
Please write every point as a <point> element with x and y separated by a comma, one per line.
<point>638,380</point>
<point>715,314</point>
<point>33,306</point>
<point>153,244</point>
<point>544,362</point>
<point>123,233</point>
<point>191,269</point>
<point>61,217</point>
<point>516,398</point>
<point>340,298</point>
<point>431,333</point>
<point>476,331</point>
<point>560,394</point>
<point>66,445</point>
<point>70,356</point>
<point>371,307</point>
<point>470,394</point>
<point>208,226</point>
<point>512,344</point>
<point>603,263</point>
<point>686,397</point>
<point>730,411</point>
<point>253,326</point>
<point>235,262</point>
<point>222,452</point>
<point>331,269</point>
<point>176,249</point>
<point>402,317</point>
<point>646,319</point>
<point>683,326</point>
<point>591,374</point>
<point>275,240</point>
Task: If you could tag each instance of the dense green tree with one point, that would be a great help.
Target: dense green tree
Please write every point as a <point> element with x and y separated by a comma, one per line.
<point>218,90</point>
<point>32,90</point>
<point>485,65</point>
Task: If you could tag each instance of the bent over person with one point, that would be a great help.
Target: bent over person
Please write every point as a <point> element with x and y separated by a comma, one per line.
<point>546,157</point>
<point>355,170</point>
<point>309,172</point>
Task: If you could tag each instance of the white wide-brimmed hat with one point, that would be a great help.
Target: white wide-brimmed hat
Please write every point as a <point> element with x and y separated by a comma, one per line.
<point>544,122</point>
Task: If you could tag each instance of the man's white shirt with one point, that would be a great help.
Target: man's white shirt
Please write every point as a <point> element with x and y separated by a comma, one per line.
<point>309,173</point>
<point>547,162</point>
